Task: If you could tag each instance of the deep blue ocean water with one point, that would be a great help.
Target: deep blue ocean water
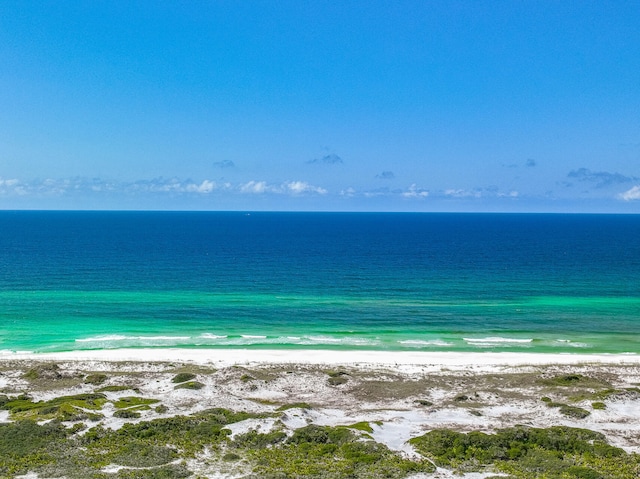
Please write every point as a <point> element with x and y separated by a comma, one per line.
<point>433,282</point>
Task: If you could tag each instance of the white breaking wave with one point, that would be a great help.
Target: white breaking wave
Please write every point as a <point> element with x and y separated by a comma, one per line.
<point>571,344</point>
<point>212,336</point>
<point>496,341</point>
<point>311,340</point>
<point>106,337</point>
<point>421,342</point>
<point>120,337</point>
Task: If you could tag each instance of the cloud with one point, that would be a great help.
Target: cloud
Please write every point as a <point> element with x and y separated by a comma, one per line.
<point>601,179</point>
<point>224,164</point>
<point>207,186</point>
<point>12,187</point>
<point>529,163</point>
<point>631,194</point>
<point>255,187</point>
<point>300,187</point>
<point>289,187</point>
<point>487,192</point>
<point>166,185</point>
<point>83,185</point>
<point>386,175</point>
<point>511,194</point>
<point>331,159</point>
<point>414,192</point>
<point>461,193</point>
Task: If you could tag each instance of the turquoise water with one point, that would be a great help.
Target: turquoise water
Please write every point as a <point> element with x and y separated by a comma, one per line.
<point>432,282</point>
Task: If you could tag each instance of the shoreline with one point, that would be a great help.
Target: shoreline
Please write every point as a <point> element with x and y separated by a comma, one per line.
<point>230,357</point>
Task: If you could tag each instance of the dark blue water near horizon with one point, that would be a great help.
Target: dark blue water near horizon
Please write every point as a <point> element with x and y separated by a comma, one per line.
<point>426,281</point>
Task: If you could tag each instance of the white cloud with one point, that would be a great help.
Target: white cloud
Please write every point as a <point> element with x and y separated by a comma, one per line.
<point>289,187</point>
<point>8,183</point>
<point>631,194</point>
<point>349,192</point>
<point>207,186</point>
<point>299,187</point>
<point>415,192</point>
<point>463,193</point>
<point>256,187</point>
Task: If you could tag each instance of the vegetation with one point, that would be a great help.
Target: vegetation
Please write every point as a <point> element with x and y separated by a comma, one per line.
<point>295,405</point>
<point>554,453</point>
<point>115,389</point>
<point>337,380</point>
<point>134,401</point>
<point>332,452</point>
<point>189,385</point>
<point>183,377</point>
<point>569,411</point>
<point>95,379</point>
<point>64,408</point>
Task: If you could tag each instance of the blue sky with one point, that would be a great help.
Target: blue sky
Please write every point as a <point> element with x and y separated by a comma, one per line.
<point>326,105</point>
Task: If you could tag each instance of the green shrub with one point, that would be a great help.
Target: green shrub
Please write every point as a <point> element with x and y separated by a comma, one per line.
<point>332,452</point>
<point>95,379</point>
<point>183,377</point>
<point>337,380</point>
<point>256,440</point>
<point>43,371</point>
<point>574,412</point>
<point>64,408</point>
<point>553,453</point>
<point>131,401</point>
<point>115,389</point>
<point>295,405</point>
<point>126,414</point>
<point>189,385</point>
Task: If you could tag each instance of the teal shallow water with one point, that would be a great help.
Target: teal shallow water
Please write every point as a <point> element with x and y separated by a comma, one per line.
<point>530,283</point>
<point>99,319</point>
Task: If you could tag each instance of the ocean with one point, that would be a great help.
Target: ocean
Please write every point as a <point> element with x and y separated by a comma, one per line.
<point>546,283</point>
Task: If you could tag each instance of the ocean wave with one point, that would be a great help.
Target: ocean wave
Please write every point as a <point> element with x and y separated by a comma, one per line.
<point>9,352</point>
<point>212,336</point>
<point>119,337</point>
<point>417,343</point>
<point>348,341</point>
<point>570,343</point>
<point>495,341</point>
<point>106,337</point>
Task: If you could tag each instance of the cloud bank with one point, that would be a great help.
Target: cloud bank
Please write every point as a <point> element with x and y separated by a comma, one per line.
<point>156,186</point>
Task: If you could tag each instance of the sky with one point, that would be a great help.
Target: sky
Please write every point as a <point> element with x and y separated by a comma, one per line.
<point>505,106</point>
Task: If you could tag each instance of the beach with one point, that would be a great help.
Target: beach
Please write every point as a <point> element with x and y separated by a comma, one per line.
<point>390,397</point>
